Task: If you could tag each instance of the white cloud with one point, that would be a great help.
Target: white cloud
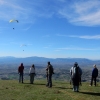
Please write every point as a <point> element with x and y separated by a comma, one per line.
<point>83,12</point>
<point>26,11</point>
<point>10,9</point>
<point>2,2</point>
<point>87,36</point>
<point>26,29</point>
<point>16,10</point>
<point>82,36</point>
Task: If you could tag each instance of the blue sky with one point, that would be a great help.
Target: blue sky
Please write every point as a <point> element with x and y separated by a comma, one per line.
<point>50,28</point>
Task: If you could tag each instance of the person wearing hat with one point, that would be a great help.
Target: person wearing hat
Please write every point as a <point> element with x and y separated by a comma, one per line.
<point>94,75</point>
<point>75,73</point>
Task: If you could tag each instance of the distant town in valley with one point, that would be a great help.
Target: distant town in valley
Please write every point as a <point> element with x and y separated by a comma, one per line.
<point>9,67</point>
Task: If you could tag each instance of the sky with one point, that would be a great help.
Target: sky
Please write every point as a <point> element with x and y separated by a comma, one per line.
<point>50,28</point>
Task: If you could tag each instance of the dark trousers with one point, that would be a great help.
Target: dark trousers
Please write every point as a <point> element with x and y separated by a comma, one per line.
<point>49,83</point>
<point>32,78</point>
<point>93,79</point>
<point>20,77</point>
<point>80,81</point>
<point>76,81</point>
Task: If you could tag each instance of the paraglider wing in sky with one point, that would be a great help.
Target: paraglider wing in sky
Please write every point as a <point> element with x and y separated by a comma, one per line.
<point>23,45</point>
<point>13,20</point>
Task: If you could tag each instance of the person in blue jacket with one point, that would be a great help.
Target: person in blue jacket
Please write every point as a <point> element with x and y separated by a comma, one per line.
<point>94,75</point>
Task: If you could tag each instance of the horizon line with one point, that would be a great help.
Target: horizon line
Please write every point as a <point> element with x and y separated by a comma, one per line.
<point>51,58</point>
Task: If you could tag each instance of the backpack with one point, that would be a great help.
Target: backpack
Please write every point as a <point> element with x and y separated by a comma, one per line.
<point>76,72</point>
<point>50,69</point>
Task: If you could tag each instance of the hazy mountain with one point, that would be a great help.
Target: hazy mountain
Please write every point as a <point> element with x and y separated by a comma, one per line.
<point>9,67</point>
<point>43,60</point>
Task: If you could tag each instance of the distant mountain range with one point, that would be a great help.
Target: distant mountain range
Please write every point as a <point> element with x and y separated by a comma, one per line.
<point>43,60</point>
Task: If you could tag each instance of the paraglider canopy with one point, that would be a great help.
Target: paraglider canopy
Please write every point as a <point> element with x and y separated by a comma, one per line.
<point>23,45</point>
<point>13,20</point>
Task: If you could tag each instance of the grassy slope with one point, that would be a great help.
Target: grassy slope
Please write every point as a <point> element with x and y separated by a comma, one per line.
<point>12,90</point>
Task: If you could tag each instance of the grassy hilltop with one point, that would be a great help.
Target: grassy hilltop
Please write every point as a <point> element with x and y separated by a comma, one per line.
<point>12,90</point>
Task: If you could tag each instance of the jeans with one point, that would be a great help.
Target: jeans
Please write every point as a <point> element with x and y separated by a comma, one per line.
<point>21,77</point>
<point>49,83</point>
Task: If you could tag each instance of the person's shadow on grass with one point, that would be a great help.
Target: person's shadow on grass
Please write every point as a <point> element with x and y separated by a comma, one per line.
<point>90,93</point>
<point>63,88</point>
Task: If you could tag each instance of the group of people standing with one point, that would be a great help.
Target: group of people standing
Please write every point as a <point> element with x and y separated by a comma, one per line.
<point>49,72</point>
<point>75,72</point>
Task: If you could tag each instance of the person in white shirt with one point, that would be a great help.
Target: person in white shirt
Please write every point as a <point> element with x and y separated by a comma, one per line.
<point>32,74</point>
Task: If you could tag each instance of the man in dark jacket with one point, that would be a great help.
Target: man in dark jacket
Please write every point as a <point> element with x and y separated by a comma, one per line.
<point>94,75</point>
<point>20,72</point>
<point>49,71</point>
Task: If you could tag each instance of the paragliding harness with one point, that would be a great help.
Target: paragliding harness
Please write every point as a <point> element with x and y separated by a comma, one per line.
<point>75,72</point>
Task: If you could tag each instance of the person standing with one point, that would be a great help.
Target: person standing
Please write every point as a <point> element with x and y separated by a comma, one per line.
<point>75,73</point>
<point>49,71</point>
<point>20,72</point>
<point>32,74</point>
<point>94,75</point>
